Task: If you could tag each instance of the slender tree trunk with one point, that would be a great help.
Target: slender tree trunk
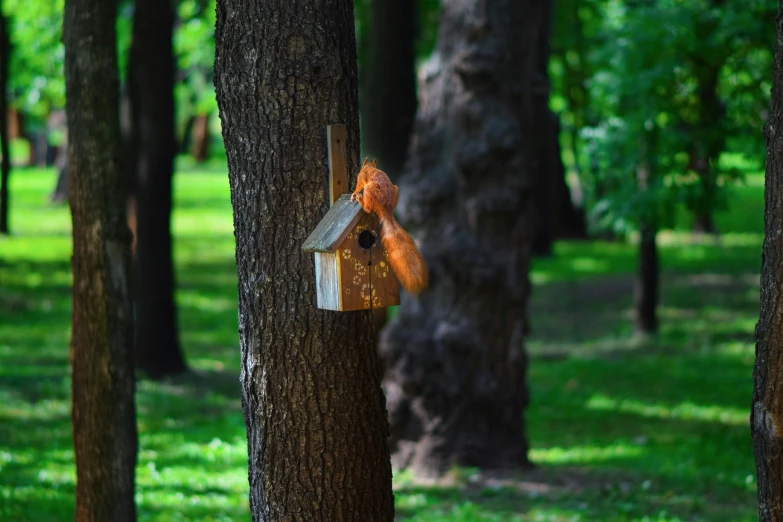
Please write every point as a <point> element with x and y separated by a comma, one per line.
<point>5,150</point>
<point>102,382</point>
<point>766,419</point>
<point>572,223</point>
<point>556,215</point>
<point>312,400</point>
<point>200,138</point>
<point>151,95</point>
<point>388,100</point>
<point>388,94</point>
<point>647,274</point>
<point>454,357</point>
<point>646,284</point>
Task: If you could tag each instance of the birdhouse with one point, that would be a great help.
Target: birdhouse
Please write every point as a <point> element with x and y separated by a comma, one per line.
<point>352,270</point>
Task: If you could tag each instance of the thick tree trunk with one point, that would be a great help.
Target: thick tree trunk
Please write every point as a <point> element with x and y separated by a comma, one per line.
<point>388,89</point>
<point>646,284</point>
<point>104,421</point>
<point>454,357</point>
<point>312,400</point>
<point>5,150</point>
<point>153,148</point>
<point>766,419</point>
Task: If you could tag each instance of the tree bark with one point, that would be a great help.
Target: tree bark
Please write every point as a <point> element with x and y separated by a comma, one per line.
<point>766,419</point>
<point>388,93</point>
<point>313,405</point>
<point>454,357</point>
<point>152,150</point>
<point>103,415</point>
<point>5,150</point>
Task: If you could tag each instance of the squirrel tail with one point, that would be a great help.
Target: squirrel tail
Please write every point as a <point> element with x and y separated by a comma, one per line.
<point>404,258</point>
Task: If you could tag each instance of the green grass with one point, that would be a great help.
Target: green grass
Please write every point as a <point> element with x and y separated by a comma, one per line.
<point>623,429</point>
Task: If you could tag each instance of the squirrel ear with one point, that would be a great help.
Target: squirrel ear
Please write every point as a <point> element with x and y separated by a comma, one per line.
<point>374,162</point>
<point>365,161</point>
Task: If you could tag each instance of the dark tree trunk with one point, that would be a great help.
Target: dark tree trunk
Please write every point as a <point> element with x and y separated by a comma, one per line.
<point>151,152</point>
<point>5,150</point>
<point>647,274</point>
<point>104,421</point>
<point>556,215</point>
<point>703,223</point>
<point>388,94</point>
<point>709,136</point>
<point>766,419</point>
<point>199,148</point>
<point>646,284</point>
<point>312,400</point>
<point>454,357</point>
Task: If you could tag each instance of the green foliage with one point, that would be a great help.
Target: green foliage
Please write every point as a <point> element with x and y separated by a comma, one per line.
<point>622,431</point>
<point>194,45</point>
<point>37,53</point>
<point>663,86</point>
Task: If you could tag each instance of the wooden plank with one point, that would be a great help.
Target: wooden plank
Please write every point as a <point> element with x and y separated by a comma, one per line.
<point>335,226</point>
<point>327,281</point>
<point>338,161</point>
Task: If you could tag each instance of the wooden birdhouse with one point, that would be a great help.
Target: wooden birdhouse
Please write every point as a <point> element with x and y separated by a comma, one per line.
<point>352,270</point>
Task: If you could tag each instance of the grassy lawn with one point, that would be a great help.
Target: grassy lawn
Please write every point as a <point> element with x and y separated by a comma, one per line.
<point>623,430</point>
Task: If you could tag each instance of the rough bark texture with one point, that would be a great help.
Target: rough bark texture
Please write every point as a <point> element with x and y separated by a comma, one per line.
<point>766,419</point>
<point>388,90</point>
<point>151,151</point>
<point>454,358</point>
<point>5,152</point>
<point>104,423</point>
<point>312,400</point>
<point>646,283</point>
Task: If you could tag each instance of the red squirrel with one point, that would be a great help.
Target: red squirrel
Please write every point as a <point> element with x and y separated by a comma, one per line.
<point>376,193</point>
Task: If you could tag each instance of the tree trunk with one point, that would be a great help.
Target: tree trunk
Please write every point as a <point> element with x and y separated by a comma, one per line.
<point>5,150</point>
<point>556,216</point>
<point>200,138</point>
<point>388,94</point>
<point>313,405</point>
<point>103,415</point>
<point>153,148</point>
<point>646,284</point>
<point>454,357</point>
<point>766,419</point>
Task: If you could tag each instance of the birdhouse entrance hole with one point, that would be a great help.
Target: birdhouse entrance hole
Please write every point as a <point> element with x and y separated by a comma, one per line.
<point>366,239</point>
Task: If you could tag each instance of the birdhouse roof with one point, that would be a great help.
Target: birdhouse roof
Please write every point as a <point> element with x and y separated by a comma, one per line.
<point>335,226</point>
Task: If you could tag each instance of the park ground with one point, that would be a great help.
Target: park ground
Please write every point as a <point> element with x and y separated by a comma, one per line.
<point>622,429</point>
